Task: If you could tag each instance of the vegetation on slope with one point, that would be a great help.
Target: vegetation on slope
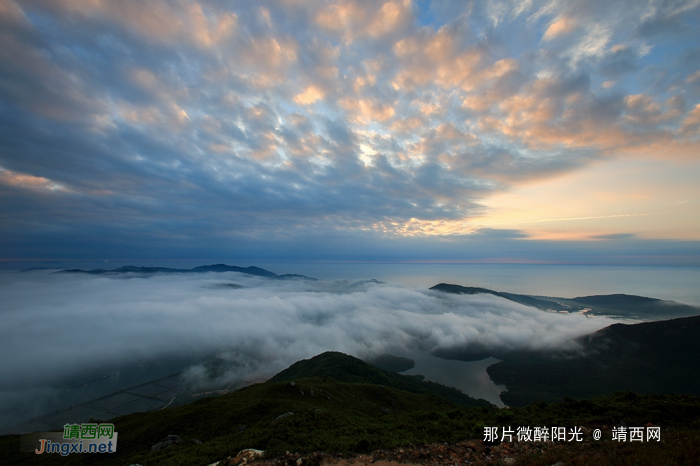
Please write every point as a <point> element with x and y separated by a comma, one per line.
<point>650,357</point>
<point>348,369</point>
<point>357,418</point>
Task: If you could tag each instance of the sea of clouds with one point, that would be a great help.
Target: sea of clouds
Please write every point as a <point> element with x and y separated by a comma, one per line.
<point>56,327</point>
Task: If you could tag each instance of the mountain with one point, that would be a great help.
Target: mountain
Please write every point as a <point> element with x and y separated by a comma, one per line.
<point>518,298</point>
<point>252,270</point>
<point>348,369</point>
<point>392,363</point>
<point>650,357</point>
<point>613,305</point>
<point>639,306</point>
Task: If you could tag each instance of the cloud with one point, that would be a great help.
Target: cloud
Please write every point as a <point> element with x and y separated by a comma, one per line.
<point>560,27</point>
<point>449,58</point>
<point>355,19</point>
<point>667,17</point>
<point>59,327</point>
<point>691,124</point>
<point>27,181</point>
<point>614,236</point>
<point>367,110</point>
<point>619,61</point>
<point>309,96</point>
<point>500,233</point>
<point>162,21</point>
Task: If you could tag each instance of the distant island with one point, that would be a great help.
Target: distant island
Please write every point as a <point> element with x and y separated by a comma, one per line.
<point>252,270</point>
<point>612,305</point>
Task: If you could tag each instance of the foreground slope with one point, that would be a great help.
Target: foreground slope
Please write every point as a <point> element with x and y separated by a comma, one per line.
<point>323,414</point>
<point>303,408</point>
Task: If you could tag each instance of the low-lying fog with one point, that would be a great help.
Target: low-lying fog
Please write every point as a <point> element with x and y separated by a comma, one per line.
<point>59,330</point>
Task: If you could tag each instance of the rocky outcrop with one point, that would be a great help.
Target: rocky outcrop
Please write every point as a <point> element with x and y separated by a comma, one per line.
<point>167,443</point>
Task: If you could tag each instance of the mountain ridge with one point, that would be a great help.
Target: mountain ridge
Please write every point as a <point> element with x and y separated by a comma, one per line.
<point>348,369</point>
<point>613,305</point>
<point>647,357</point>
<point>251,270</point>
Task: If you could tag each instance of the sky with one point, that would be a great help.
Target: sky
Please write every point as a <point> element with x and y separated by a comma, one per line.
<point>495,131</point>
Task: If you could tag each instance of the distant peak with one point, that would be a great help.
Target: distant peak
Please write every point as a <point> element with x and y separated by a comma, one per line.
<point>458,289</point>
<point>251,270</point>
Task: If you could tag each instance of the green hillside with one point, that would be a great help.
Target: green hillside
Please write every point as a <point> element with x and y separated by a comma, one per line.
<point>357,418</point>
<point>322,413</point>
<point>348,369</point>
<point>650,357</point>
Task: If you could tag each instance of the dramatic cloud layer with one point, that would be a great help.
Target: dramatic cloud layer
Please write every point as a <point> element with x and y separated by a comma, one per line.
<point>60,328</point>
<point>167,125</point>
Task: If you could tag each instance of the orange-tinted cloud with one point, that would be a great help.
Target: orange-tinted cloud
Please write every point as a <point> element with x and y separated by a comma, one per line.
<point>21,180</point>
<point>158,20</point>
<point>560,27</point>
<point>353,18</point>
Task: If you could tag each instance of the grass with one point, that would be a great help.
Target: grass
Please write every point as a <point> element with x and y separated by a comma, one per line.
<point>363,417</point>
<point>353,416</point>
